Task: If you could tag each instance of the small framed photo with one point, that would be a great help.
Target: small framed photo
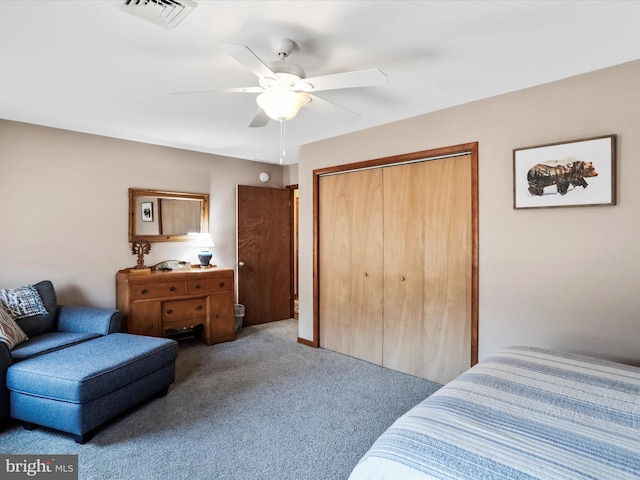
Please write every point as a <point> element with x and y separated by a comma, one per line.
<point>146,211</point>
<point>577,173</point>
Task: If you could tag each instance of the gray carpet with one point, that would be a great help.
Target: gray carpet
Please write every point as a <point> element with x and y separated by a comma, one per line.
<point>263,407</point>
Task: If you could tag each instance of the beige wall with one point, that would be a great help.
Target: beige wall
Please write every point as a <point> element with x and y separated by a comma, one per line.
<point>291,174</point>
<point>64,198</point>
<point>565,278</point>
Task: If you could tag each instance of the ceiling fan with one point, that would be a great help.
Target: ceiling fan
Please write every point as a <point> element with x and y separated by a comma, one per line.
<point>283,88</point>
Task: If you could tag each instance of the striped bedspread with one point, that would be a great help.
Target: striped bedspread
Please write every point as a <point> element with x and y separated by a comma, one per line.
<point>523,413</point>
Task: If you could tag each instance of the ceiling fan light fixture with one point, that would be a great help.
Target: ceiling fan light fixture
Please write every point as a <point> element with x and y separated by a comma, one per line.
<point>281,103</point>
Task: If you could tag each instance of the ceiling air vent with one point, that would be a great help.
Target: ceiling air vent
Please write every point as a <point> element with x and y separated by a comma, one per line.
<point>168,13</point>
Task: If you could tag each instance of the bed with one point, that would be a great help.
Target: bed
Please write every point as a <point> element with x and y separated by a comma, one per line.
<point>524,413</point>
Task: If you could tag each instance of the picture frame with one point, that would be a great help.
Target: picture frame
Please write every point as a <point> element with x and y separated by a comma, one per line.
<point>146,211</point>
<point>576,173</point>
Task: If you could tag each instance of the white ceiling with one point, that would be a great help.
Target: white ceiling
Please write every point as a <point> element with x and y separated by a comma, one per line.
<point>92,67</point>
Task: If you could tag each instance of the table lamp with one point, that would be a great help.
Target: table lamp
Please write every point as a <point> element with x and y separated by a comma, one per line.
<point>205,242</point>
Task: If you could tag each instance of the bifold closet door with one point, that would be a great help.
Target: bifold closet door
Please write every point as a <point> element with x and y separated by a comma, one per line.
<point>351,251</point>
<point>427,268</point>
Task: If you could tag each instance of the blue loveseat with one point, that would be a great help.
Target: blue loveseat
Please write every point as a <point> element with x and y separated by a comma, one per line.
<point>76,370</point>
<point>62,327</point>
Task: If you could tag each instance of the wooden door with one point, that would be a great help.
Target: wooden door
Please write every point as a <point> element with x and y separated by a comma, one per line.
<point>427,263</point>
<point>264,253</point>
<point>351,252</point>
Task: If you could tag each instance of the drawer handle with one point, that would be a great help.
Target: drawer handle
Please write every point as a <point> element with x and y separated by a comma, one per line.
<point>198,286</point>
<point>172,289</point>
<point>144,291</point>
<point>222,284</point>
<point>199,307</point>
<point>169,312</point>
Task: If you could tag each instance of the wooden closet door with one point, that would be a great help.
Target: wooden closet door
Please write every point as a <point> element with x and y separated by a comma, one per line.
<point>427,265</point>
<point>350,288</point>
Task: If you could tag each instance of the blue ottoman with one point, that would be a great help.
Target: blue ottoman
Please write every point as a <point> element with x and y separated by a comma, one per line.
<point>78,388</point>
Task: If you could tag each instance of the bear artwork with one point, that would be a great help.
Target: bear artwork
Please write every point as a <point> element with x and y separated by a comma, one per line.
<point>561,173</point>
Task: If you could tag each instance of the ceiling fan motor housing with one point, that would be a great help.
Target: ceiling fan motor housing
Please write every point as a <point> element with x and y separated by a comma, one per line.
<point>287,72</point>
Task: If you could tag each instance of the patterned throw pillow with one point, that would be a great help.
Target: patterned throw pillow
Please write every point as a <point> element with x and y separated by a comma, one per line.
<point>10,332</point>
<point>22,302</point>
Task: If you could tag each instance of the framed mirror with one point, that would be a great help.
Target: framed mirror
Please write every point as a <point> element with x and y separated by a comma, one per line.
<point>159,216</point>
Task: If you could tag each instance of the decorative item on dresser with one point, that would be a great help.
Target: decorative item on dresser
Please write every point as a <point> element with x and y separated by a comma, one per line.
<point>140,248</point>
<point>165,301</point>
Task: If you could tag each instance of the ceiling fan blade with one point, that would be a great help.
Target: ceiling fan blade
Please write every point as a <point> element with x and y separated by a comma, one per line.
<point>357,78</point>
<point>326,107</point>
<point>248,59</point>
<point>241,90</point>
<point>260,119</point>
<point>223,90</point>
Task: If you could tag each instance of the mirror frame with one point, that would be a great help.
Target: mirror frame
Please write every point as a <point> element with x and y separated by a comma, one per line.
<point>134,193</point>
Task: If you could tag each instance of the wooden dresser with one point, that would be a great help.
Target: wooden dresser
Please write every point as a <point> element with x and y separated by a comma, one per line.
<point>157,302</point>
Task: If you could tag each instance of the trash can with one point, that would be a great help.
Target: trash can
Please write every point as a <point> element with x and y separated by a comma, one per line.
<point>239,316</point>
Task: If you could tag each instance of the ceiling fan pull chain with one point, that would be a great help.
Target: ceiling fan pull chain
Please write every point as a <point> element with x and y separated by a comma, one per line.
<point>282,152</point>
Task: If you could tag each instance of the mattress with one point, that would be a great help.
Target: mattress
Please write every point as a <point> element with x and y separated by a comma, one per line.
<point>524,413</point>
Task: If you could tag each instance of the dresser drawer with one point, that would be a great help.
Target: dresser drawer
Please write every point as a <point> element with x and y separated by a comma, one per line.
<point>178,310</point>
<point>210,285</point>
<point>157,290</point>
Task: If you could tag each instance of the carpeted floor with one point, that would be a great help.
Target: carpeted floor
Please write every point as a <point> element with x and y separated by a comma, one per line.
<point>263,407</point>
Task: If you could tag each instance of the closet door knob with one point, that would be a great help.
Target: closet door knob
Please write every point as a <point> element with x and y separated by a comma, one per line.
<point>402,279</point>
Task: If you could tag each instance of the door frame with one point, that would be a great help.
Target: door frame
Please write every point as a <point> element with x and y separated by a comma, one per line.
<point>425,155</point>
<point>294,247</point>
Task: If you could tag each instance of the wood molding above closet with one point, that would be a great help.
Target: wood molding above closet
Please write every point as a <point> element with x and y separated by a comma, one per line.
<point>372,277</point>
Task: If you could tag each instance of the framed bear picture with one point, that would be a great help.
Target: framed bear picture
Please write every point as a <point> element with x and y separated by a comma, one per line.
<point>577,173</point>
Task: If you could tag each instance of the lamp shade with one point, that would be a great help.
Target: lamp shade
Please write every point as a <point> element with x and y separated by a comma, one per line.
<point>202,240</point>
<point>281,103</point>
